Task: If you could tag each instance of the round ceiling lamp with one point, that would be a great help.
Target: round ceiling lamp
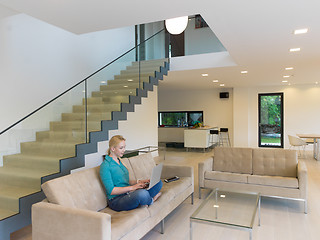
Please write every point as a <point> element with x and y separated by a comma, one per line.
<point>176,25</point>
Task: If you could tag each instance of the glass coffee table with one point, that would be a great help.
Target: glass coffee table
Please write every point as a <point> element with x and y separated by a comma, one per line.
<point>228,209</point>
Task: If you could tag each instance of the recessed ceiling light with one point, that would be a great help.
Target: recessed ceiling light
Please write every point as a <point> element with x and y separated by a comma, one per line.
<point>289,68</point>
<point>295,49</point>
<point>286,76</point>
<point>130,80</point>
<point>103,82</point>
<point>215,80</point>
<point>244,72</point>
<point>125,86</point>
<point>284,81</point>
<point>300,31</point>
<point>205,74</point>
<point>221,85</point>
<point>115,92</point>
<point>316,82</point>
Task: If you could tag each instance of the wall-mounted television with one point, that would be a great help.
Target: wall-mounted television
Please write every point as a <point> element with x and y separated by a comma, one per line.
<point>179,118</point>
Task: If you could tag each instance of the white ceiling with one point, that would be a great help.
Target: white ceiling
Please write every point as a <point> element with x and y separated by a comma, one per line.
<point>257,34</point>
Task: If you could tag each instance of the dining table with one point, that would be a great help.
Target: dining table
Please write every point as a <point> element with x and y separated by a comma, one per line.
<point>315,138</point>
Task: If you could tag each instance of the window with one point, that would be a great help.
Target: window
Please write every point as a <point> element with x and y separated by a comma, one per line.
<point>180,119</point>
<point>271,120</point>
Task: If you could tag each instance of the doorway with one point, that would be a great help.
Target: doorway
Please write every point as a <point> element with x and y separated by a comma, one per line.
<point>271,120</point>
<point>174,44</point>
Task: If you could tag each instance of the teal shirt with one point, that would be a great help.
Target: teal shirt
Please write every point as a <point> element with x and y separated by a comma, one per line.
<point>113,175</point>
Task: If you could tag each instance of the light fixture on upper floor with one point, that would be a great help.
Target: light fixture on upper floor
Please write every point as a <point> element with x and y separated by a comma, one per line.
<point>177,25</point>
<point>215,80</point>
<point>289,68</point>
<point>204,74</point>
<point>221,85</point>
<point>244,72</point>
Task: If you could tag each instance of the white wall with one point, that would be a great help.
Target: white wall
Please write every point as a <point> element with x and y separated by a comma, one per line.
<point>140,129</point>
<point>301,112</point>
<point>217,112</point>
<point>38,61</point>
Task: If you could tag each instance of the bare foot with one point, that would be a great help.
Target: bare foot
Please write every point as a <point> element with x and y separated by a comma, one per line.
<point>157,196</point>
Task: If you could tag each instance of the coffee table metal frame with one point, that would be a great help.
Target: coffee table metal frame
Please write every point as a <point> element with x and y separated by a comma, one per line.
<point>214,192</point>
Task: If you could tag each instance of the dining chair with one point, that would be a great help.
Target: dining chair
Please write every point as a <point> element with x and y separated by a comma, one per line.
<point>297,142</point>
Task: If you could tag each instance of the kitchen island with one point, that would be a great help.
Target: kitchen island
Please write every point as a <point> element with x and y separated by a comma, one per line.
<point>199,137</point>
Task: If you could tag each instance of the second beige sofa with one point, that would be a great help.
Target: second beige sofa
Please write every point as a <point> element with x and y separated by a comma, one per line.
<point>271,172</point>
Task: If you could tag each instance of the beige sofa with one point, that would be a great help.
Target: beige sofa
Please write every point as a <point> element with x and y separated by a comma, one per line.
<point>76,206</point>
<point>272,172</point>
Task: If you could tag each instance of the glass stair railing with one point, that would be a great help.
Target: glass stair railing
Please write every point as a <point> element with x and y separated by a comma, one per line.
<point>34,147</point>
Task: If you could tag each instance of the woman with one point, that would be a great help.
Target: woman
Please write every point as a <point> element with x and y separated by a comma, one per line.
<point>122,194</point>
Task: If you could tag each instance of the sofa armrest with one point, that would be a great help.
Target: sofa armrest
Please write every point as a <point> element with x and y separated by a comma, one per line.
<point>202,168</point>
<point>302,179</point>
<point>56,222</point>
<point>175,170</point>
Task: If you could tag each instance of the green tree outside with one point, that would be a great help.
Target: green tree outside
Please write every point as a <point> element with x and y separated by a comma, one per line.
<point>271,110</point>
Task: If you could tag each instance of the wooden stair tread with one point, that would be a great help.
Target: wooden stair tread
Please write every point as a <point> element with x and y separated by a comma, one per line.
<point>15,191</point>
<point>6,213</point>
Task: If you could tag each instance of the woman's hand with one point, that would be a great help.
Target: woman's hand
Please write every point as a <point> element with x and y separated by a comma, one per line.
<point>138,186</point>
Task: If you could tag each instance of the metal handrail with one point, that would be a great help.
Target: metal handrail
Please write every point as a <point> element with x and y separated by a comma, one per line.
<point>77,84</point>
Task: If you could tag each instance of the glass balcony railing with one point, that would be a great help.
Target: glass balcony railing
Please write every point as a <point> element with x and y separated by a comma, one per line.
<point>80,109</point>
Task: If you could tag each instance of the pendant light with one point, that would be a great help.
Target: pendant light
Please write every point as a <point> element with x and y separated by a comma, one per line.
<point>176,25</point>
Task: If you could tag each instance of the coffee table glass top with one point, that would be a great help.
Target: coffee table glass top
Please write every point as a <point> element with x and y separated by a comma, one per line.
<point>229,208</point>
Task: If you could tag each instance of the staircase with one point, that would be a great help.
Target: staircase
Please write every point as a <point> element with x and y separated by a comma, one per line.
<point>64,146</point>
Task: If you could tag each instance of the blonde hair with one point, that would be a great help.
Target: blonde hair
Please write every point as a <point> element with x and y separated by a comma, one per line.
<point>114,141</point>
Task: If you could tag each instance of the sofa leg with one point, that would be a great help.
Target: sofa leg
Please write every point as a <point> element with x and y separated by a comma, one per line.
<point>192,198</point>
<point>162,226</point>
<point>305,207</point>
<point>199,192</point>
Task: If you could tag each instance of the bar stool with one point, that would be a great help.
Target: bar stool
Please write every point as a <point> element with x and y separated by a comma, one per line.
<point>212,141</point>
<point>224,139</point>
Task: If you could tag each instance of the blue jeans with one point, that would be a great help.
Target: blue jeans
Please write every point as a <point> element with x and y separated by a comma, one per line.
<point>132,200</point>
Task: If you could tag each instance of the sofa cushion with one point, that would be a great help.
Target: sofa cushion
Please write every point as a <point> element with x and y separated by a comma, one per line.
<point>235,160</point>
<point>169,192</point>
<point>125,221</point>
<point>142,165</point>
<point>277,181</point>
<point>127,164</point>
<point>275,162</point>
<point>82,189</point>
<point>178,186</point>
<point>226,176</point>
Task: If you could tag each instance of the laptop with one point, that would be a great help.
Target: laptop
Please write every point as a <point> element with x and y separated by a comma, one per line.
<point>155,175</point>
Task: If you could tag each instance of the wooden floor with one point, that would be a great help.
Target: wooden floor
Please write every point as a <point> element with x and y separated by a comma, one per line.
<point>280,219</point>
